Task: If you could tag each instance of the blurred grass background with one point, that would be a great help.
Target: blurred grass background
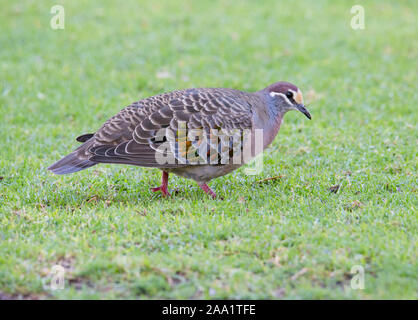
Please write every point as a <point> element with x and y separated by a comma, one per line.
<point>287,238</point>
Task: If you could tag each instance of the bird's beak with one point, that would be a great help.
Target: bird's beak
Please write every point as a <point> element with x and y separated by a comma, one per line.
<point>302,109</point>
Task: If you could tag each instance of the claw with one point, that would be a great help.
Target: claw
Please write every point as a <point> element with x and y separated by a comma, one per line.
<point>163,190</point>
<point>208,190</point>
<point>163,187</point>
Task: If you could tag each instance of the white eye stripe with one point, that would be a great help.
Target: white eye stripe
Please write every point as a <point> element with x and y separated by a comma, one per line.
<point>272,94</point>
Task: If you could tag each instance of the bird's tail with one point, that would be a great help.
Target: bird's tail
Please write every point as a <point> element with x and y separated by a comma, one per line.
<point>71,163</point>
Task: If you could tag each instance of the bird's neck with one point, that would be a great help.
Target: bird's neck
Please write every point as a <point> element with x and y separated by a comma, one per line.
<point>269,118</point>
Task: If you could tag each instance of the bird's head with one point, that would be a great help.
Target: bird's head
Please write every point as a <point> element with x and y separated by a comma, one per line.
<point>287,96</point>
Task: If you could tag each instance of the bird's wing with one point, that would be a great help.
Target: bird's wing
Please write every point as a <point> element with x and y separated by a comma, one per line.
<point>84,137</point>
<point>156,131</point>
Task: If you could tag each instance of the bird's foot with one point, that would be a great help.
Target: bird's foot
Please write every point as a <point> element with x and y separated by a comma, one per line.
<point>164,184</point>
<point>163,190</point>
<point>208,190</point>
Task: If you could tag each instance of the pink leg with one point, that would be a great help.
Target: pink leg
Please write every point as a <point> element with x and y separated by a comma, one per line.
<point>207,189</point>
<point>164,184</point>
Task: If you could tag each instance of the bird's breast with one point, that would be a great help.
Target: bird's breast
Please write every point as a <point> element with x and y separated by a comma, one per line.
<point>267,129</point>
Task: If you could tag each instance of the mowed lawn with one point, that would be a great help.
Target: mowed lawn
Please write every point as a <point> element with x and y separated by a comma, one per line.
<point>344,192</point>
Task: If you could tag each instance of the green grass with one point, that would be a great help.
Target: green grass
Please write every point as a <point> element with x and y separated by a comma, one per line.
<point>285,238</point>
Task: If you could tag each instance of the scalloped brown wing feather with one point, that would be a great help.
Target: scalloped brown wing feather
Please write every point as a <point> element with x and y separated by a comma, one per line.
<point>136,133</point>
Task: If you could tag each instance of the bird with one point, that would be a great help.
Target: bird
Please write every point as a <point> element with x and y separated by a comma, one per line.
<point>197,133</point>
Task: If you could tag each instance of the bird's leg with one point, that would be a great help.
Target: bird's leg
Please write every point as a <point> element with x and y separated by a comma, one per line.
<point>207,189</point>
<point>164,184</point>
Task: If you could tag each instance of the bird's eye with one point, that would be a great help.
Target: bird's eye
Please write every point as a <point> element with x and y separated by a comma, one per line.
<point>289,94</point>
